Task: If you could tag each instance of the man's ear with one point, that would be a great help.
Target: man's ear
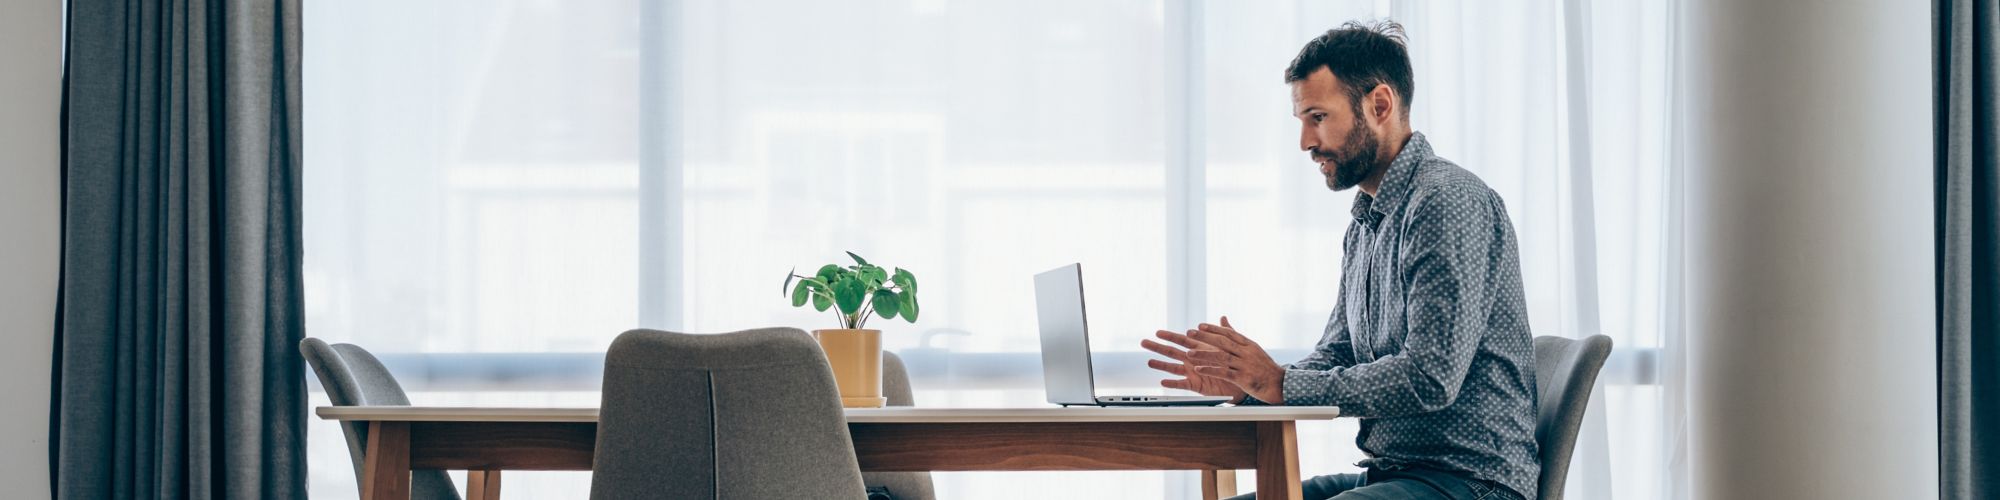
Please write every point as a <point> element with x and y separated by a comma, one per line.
<point>1381,105</point>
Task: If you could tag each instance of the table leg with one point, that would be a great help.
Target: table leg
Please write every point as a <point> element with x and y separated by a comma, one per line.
<point>1218,484</point>
<point>386,468</point>
<point>482,485</point>
<point>1278,460</point>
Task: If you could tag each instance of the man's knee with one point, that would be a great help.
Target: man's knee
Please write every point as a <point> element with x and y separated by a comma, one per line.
<point>1394,489</point>
<point>1319,487</point>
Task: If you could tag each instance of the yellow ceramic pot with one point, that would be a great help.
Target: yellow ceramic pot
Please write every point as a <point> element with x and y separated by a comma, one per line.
<point>856,357</point>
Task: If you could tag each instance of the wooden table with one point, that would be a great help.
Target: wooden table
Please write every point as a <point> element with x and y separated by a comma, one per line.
<point>1217,440</point>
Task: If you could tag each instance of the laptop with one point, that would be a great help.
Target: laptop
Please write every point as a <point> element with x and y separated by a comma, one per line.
<point>1066,347</point>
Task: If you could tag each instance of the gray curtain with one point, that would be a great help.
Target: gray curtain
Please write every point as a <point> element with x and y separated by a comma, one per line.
<point>1968,247</point>
<point>177,366</point>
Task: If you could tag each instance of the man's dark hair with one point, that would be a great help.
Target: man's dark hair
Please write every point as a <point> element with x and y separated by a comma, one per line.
<point>1362,56</point>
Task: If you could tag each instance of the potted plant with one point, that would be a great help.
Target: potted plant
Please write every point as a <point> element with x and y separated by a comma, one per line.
<point>855,293</point>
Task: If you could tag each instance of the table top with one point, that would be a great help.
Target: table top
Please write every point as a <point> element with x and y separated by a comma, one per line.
<point>861,415</point>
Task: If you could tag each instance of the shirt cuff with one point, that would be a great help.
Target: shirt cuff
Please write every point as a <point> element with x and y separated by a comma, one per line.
<point>1308,388</point>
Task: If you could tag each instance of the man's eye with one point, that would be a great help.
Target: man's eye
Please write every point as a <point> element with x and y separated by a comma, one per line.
<point>1319,117</point>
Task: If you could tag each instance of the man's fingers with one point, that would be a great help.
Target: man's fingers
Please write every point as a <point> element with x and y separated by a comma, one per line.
<point>1230,334</point>
<point>1221,372</point>
<point>1174,368</point>
<point>1177,383</point>
<point>1217,340</point>
<point>1179,339</point>
<point>1235,337</point>
<point>1206,357</point>
<point>1164,350</point>
<point>1225,323</point>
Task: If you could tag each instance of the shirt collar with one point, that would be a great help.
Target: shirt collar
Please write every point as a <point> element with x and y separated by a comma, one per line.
<point>1395,186</point>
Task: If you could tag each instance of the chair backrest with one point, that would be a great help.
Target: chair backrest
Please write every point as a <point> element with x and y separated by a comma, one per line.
<point>353,377</point>
<point>1565,371</point>
<point>903,485</point>
<point>750,414</point>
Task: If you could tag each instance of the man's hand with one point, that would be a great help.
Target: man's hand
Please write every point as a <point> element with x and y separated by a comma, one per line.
<point>1238,360</point>
<point>1190,380</point>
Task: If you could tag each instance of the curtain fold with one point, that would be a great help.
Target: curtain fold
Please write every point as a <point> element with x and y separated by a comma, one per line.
<point>1967,180</point>
<point>177,374</point>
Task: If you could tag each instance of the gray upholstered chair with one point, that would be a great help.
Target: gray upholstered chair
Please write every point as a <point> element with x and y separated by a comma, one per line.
<point>1565,371</point>
<point>902,485</point>
<point>745,415</point>
<point>353,377</point>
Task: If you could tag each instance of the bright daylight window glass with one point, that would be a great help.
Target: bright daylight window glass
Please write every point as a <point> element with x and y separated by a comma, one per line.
<point>482,176</point>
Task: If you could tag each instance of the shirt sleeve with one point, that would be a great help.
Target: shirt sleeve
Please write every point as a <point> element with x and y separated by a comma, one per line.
<point>1447,240</point>
<point>1335,349</point>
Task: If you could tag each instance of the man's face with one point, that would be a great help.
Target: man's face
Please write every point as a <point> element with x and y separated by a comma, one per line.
<point>1330,129</point>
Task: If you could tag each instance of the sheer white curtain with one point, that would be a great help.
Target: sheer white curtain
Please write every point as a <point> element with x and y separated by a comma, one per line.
<point>495,189</point>
<point>1579,146</point>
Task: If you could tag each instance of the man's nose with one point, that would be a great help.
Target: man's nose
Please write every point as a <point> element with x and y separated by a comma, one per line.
<point>1306,140</point>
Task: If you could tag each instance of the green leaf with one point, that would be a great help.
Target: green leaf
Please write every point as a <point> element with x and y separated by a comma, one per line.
<point>908,307</point>
<point>799,295</point>
<point>794,273</point>
<point>886,302</point>
<point>872,276</point>
<point>848,293</point>
<point>827,273</point>
<point>905,281</point>
<point>822,300</point>
<point>816,286</point>
<point>858,259</point>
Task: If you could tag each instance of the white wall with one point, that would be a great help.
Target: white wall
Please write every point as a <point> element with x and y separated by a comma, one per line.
<point>30,94</point>
<point>1811,336</point>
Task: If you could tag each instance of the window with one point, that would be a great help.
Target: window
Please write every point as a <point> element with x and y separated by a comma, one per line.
<point>496,189</point>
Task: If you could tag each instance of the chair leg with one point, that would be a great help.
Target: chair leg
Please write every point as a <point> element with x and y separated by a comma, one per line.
<point>1218,484</point>
<point>482,485</point>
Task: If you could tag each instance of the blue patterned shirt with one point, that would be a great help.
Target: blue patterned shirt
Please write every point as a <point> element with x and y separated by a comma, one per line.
<point>1429,344</point>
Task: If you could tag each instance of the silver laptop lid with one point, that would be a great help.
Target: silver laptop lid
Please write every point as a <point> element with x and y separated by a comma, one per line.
<point>1065,340</point>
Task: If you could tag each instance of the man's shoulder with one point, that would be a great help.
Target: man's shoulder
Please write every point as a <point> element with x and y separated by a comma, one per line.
<point>1438,180</point>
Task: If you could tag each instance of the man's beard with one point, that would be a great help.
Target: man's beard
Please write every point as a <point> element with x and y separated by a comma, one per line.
<point>1354,160</point>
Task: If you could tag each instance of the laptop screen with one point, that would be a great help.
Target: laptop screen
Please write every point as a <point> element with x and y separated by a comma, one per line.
<point>1065,341</point>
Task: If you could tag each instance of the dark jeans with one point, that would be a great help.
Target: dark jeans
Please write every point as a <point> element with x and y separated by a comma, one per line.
<point>1372,484</point>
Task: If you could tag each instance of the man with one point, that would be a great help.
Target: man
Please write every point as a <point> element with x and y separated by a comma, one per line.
<point>1428,343</point>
